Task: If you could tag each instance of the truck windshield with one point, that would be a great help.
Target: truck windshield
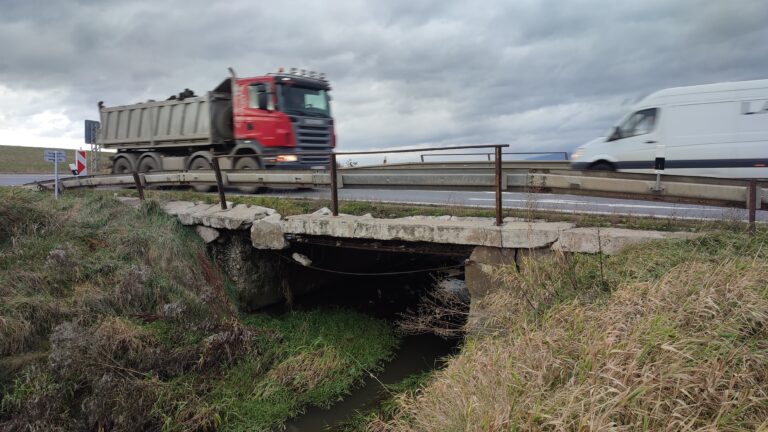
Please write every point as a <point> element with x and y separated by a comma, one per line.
<point>306,101</point>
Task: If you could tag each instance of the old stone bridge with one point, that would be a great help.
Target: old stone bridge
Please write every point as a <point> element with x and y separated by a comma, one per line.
<point>242,235</point>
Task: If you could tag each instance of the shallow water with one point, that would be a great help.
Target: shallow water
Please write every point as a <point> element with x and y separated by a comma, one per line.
<point>419,353</point>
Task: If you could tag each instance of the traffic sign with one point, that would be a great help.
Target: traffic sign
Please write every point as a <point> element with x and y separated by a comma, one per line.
<point>80,163</point>
<point>91,130</point>
<point>57,156</point>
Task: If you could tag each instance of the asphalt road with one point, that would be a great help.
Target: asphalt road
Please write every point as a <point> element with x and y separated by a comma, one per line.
<point>516,200</point>
<point>20,179</point>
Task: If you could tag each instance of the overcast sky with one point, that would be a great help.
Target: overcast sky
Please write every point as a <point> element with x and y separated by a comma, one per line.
<point>542,75</point>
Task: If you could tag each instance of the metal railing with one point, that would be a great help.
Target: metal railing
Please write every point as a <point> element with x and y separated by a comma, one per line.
<point>536,177</point>
<point>334,171</point>
<point>488,155</point>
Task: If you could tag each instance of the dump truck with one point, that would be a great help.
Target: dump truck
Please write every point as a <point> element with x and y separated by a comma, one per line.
<point>266,121</point>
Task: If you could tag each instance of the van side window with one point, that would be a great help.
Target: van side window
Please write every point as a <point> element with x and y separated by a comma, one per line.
<point>639,123</point>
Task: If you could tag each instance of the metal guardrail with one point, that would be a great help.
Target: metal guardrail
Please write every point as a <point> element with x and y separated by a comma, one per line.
<point>488,155</point>
<point>335,177</point>
<point>749,194</point>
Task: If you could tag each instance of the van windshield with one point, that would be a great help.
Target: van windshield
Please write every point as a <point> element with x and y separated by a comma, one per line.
<point>639,123</point>
<point>303,100</point>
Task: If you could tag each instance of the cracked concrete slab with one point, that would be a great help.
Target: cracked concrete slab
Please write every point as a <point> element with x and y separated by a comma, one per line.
<point>467,231</point>
<point>610,240</point>
<point>267,233</point>
<point>268,229</point>
<point>235,217</point>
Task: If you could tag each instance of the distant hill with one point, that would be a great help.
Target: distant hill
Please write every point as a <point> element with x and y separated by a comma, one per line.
<point>17,159</point>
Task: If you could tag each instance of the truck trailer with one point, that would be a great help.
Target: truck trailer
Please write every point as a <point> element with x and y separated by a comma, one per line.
<point>267,121</point>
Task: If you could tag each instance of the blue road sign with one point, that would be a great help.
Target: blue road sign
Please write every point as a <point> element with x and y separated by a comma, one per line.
<point>91,129</point>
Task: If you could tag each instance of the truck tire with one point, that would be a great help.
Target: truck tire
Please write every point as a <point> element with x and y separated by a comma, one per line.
<point>201,163</point>
<point>149,164</point>
<point>249,163</point>
<point>122,165</point>
<point>224,124</point>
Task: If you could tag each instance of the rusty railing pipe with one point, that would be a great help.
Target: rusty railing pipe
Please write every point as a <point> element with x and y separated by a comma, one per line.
<point>219,184</point>
<point>139,187</point>
<point>334,187</point>
<point>497,180</point>
<point>752,204</point>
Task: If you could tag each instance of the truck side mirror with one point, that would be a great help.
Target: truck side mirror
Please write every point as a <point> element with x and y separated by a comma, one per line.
<point>262,99</point>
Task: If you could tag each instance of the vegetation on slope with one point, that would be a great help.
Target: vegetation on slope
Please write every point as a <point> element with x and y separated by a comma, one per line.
<point>114,318</point>
<point>665,336</point>
<point>18,159</point>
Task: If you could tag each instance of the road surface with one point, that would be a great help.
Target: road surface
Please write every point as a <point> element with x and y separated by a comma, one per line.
<point>511,200</point>
<point>517,200</point>
<point>20,179</point>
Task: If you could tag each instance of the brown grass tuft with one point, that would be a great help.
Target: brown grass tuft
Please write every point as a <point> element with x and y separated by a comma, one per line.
<point>307,370</point>
<point>687,352</point>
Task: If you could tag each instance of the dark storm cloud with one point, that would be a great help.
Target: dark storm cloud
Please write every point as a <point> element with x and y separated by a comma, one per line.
<point>539,74</point>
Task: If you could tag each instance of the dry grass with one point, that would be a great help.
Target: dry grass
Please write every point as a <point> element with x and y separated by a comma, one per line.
<point>679,344</point>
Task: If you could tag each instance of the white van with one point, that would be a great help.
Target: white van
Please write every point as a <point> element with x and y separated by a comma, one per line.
<point>716,130</point>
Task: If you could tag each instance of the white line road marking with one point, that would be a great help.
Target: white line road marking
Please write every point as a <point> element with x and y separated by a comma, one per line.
<point>584,203</point>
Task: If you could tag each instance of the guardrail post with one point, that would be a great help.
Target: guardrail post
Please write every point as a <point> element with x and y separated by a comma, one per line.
<point>334,187</point>
<point>139,187</point>
<point>497,179</point>
<point>752,204</point>
<point>219,183</point>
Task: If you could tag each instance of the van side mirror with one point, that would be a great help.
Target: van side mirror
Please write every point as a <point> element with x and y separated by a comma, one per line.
<point>262,99</point>
<point>616,134</point>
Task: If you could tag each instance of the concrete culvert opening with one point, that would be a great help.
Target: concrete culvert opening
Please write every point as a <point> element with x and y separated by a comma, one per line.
<point>388,284</point>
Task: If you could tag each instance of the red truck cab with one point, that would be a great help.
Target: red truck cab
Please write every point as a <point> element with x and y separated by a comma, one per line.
<point>281,114</point>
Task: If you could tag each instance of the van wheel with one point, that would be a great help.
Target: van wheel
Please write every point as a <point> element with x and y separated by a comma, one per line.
<point>602,166</point>
<point>201,163</point>
<point>249,163</point>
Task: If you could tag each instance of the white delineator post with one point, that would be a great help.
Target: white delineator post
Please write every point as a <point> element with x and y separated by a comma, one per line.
<point>81,163</point>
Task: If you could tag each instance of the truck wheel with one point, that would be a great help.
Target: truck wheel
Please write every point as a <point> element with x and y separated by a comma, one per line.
<point>122,166</point>
<point>224,124</point>
<point>201,163</point>
<point>149,164</point>
<point>249,163</point>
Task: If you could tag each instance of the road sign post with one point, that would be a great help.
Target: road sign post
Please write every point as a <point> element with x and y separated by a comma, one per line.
<point>91,137</point>
<point>56,157</point>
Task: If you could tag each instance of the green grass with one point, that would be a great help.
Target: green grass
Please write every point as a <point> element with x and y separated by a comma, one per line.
<point>18,159</point>
<point>323,354</point>
<point>85,341</point>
